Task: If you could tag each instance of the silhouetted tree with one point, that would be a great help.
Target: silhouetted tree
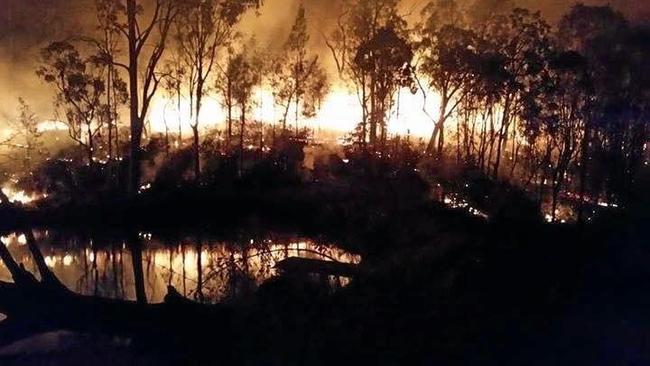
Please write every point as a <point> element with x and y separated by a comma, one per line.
<point>245,73</point>
<point>359,22</point>
<point>556,112</point>
<point>143,31</point>
<point>175,73</point>
<point>448,50</point>
<point>204,26</point>
<point>616,117</point>
<point>522,41</point>
<point>26,140</point>
<point>387,58</point>
<point>79,88</point>
<point>297,78</point>
<point>224,84</point>
<point>116,89</point>
<point>621,82</point>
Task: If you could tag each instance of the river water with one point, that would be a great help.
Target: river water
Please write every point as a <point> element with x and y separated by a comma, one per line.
<point>204,269</point>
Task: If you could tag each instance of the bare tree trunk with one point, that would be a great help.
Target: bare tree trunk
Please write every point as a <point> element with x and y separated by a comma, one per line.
<point>229,106</point>
<point>491,140</point>
<point>542,183</point>
<point>373,114</point>
<point>196,152</point>
<point>109,107</point>
<point>482,144</point>
<point>503,133</point>
<point>166,138</point>
<point>195,128</point>
<point>136,122</point>
<point>90,147</point>
<point>458,144</point>
<point>556,191</point>
<point>584,158</point>
<point>437,128</point>
<point>178,117</point>
<point>364,112</point>
<point>383,123</point>
<point>95,271</point>
<point>116,282</point>
<point>286,114</point>
<point>471,146</point>
<point>503,137</point>
<point>297,109</point>
<point>441,141</point>
<point>514,156</point>
<point>241,139</point>
<point>199,271</point>
<point>540,191</point>
<point>116,127</point>
<point>138,274</point>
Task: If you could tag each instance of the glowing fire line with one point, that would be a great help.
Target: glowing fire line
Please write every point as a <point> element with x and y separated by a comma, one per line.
<point>340,111</point>
<point>20,196</point>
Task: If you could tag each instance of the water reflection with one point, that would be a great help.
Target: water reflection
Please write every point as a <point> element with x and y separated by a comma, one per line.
<point>142,266</point>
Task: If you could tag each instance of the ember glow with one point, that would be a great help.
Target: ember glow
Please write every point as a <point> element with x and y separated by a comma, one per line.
<point>52,125</point>
<point>14,239</point>
<point>318,181</point>
<point>455,201</point>
<point>20,196</point>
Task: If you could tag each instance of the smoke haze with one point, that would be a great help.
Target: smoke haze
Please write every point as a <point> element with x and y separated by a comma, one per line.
<point>28,25</point>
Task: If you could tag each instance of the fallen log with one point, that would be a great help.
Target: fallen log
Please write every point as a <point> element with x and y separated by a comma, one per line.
<point>299,265</point>
<point>38,308</point>
<point>34,306</point>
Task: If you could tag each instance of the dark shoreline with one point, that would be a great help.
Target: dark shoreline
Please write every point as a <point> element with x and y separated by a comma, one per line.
<point>459,289</point>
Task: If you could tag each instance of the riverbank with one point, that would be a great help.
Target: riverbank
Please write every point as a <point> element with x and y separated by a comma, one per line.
<point>363,214</point>
<point>447,287</point>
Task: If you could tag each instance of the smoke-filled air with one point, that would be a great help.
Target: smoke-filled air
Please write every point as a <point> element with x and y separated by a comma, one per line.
<point>324,182</point>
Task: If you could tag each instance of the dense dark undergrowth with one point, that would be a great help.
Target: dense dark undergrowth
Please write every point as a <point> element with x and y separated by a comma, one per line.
<point>446,288</point>
<point>509,295</point>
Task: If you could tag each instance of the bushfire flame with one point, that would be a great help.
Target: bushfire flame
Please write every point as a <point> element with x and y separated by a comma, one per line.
<point>20,196</point>
<point>340,111</point>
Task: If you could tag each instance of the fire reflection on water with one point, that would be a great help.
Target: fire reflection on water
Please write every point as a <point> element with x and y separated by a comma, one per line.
<point>204,270</point>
